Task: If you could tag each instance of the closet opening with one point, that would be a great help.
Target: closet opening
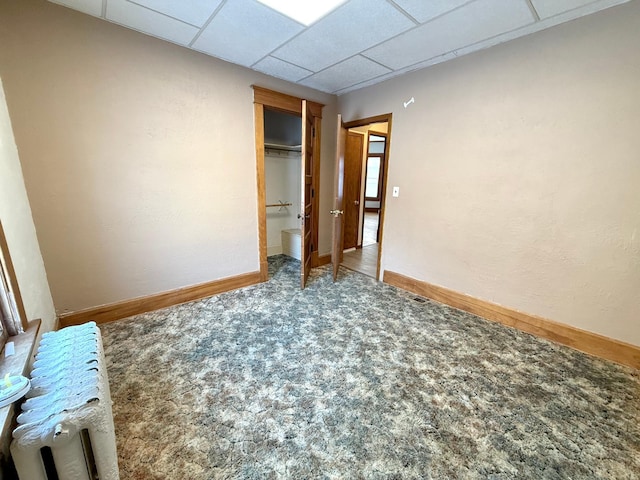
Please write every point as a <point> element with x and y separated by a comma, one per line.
<point>279,112</point>
<point>282,174</point>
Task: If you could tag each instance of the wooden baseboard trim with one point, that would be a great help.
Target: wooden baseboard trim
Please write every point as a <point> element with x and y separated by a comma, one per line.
<point>127,308</point>
<point>324,260</point>
<point>319,260</point>
<point>578,339</point>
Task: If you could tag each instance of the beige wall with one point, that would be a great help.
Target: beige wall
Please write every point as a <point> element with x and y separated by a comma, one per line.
<point>519,173</point>
<point>17,222</point>
<point>138,155</point>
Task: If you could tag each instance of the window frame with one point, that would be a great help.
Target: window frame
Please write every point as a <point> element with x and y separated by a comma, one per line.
<point>11,291</point>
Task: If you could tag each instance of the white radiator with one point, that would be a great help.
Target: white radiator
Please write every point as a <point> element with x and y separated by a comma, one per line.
<point>65,430</point>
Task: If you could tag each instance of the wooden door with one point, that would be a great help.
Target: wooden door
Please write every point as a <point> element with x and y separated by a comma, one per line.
<point>308,134</point>
<point>352,181</point>
<point>337,212</point>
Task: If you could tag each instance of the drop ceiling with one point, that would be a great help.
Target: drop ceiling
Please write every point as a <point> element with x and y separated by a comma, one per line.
<point>360,43</point>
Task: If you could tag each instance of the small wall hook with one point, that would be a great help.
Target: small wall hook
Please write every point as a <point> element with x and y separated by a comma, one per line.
<point>409,102</point>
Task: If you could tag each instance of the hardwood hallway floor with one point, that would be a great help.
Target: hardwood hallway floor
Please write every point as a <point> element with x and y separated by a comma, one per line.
<point>370,232</point>
<point>363,260</point>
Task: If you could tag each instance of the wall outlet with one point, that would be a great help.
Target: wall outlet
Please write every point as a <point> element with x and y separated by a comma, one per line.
<point>396,191</point>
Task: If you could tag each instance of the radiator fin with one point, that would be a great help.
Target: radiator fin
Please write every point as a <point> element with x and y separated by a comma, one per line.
<point>65,430</point>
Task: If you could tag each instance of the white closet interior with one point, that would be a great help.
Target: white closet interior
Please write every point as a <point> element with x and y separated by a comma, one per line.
<point>283,173</point>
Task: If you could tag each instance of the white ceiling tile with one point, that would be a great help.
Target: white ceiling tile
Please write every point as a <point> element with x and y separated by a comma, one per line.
<point>576,8</point>
<point>345,74</point>
<point>244,31</point>
<point>470,24</point>
<point>281,69</point>
<point>195,12</point>
<point>549,8</point>
<point>147,21</point>
<point>356,25</point>
<point>489,42</point>
<point>92,7</point>
<point>424,11</point>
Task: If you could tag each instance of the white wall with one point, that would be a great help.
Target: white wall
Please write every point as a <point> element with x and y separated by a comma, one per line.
<point>519,173</point>
<point>283,181</point>
<point>17,222</point>
<point>138,155</point>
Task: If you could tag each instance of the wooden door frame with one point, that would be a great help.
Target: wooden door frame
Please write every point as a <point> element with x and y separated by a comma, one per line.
<point>263,97</point>
<point>387,117</point>
<point>381,192</point>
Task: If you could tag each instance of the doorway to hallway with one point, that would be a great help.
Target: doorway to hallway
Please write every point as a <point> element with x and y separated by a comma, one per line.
<point>365,167</point>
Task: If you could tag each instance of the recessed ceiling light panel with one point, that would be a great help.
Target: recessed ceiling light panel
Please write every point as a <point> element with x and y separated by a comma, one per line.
<point>303,11</point>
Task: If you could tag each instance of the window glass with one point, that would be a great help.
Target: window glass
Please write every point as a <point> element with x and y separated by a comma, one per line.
<point>373,177</point>
<point>376,147</point>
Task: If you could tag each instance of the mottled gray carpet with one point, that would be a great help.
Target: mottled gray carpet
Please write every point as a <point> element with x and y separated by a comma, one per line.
<point>358,380</point>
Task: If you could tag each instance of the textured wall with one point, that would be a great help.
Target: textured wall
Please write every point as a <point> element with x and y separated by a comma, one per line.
<point>519,169</point>
<point>283,173</point>
<point>17,222</point>
<point>138,155</point>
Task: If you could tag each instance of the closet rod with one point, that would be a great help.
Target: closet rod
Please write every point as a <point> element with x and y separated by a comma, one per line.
<point>279,205</point>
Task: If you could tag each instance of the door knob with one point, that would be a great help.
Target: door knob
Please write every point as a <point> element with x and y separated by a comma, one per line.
<point>356,202</point>
<point>336,213</point>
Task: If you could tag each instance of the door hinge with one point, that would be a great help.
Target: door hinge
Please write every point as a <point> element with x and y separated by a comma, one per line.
<point>313,132</point>
<point>313,193</point>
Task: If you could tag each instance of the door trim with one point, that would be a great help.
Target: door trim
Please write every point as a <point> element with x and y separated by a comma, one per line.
<point>263,97</point>
<point>307,193</point>
<point>380,184</point>
<point>387,117</point>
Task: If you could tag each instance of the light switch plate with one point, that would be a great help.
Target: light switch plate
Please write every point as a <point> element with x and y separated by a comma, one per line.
<point>396,191</point>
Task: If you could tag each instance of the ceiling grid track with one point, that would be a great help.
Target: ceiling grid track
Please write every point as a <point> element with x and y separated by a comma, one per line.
<point>358,44</point>
<point>161,13</point>
<point>404,12</point>
<point>206,24</point>
<point>534,12</point>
